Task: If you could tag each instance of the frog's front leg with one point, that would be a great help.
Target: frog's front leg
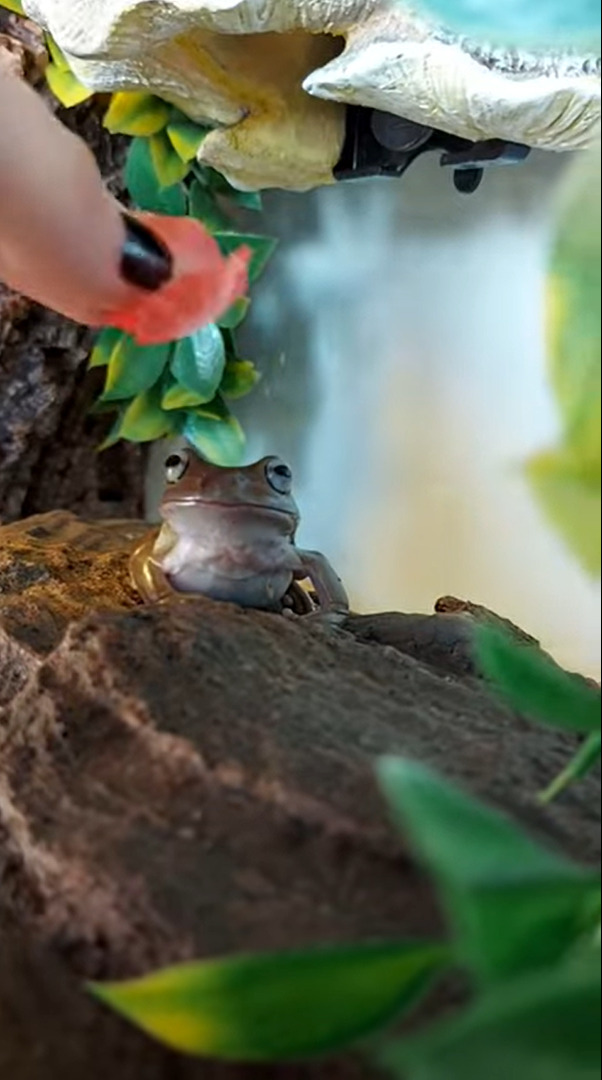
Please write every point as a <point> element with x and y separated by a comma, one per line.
<point>146,574</point>
<point>329,588</point>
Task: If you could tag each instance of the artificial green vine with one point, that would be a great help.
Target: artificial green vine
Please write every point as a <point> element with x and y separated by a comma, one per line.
<point>181,387</point>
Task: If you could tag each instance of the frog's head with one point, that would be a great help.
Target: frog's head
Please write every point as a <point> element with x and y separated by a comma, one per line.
<point>194,485</point>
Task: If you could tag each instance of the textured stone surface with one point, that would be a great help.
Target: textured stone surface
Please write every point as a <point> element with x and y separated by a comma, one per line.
<point>273,78</point>
<point>191,779</point>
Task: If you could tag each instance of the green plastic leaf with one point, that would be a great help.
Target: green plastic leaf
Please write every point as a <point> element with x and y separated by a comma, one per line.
<point>57,56</point>
<point>12,5</point>
<point>513,905</point>
<point>176,396</point>
<point>168,166</point>
<point>543,1026</point>
<point>134,112</point>
<point>586,757</point>
<point>103,347</point>
<point>66,87</point>
<point>144,420</point>
<point>186,137</point>
<point>569,496</point>
<point>198,361</point>
<point>532,683</point>
<point>133,368</point>
<point>143,186</point>
<point>277,1006</point>
<point>261,247</point>
<point>249,200</point>
<point>203,206</point>
<point>239,378</point>
<point>235,314</point>
<point>220,439</point>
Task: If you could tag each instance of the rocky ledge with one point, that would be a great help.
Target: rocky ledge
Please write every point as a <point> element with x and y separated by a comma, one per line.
<point>192,779</point>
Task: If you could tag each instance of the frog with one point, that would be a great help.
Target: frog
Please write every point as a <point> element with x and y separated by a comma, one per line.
<point>228,533</point>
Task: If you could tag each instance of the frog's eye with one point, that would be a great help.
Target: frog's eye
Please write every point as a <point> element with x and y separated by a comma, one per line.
<point>175,467</point>
<point>279,476</point>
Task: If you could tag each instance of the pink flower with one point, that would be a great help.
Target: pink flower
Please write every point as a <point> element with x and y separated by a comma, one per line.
<point>203,285</point>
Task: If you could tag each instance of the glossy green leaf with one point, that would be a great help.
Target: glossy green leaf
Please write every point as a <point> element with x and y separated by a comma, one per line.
<point>204,207</point>
<point>176,396</point>
<point>249,200</point>
<point>133,368</point>
<point>277,1006</point>
<point>103,347</point>
<point>66,87</point>
<point>513,905</point>
<point>585,759</point>
<point>12,5</point>
<point>143,187</point>
<point>167,165</point>
<point>134,112</point>
<point>198,361</point>
<point>533,684</point>
<point>144,420</point>
<point>569,496</point>
<point>186,137</point>
<point>235,314</point>
<point>239,378</point>
<point>220,440</point>
<point>261,247</point>
<point>543,1026</point>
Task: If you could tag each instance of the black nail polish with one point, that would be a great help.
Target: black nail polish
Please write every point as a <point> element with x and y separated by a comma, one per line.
<point>145,260</point>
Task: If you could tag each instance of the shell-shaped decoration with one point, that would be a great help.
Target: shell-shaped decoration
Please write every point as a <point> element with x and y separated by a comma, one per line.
<point>273,77</point>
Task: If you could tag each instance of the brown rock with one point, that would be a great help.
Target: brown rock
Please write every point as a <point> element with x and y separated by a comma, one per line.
<point>191,779</point>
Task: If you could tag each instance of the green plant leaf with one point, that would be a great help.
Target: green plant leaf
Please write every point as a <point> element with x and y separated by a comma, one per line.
<point>143,420</point>
<point>204,207</point>
<point>219,438</point>
<point>249,200</point>
<point>235,314</point>
<point>580,764</point>
<point>143,186</point>
<point>12,5</point>
<point>513,906</point>
<point>543,1026</point>
<point>103,347</point>
<point>176,396</point>
<point>168,166</point>
<point>65,86</point>
<point>277,1006</point>
<point>186,137</point>
<point>532,683</point>
<point>569,496</point>
<point>134,112</point>
<point>261,247</point>
<point>239,378</point>
<point>133,368</point>
<point>198,361</point>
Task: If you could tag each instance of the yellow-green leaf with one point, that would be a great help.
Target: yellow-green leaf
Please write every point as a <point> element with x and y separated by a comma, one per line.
<point>220,439</point>
<point>168,166</point>
<point>144,420</point>
<point>239,378</point>
<point>103,347</point>
<point>570,497</point>
<point>133,112</point>
<point>204,207</point>
<point>277,1006</point>
<point>12,5</point>
<point>66,87</point>
<point>133,368</point>
<point>198,361</point>
<point>177,396</point>
<point>185,136</point>
<point>143,185</point>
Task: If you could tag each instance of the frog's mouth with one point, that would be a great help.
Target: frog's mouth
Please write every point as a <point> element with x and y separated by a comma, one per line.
<point>224,504</point>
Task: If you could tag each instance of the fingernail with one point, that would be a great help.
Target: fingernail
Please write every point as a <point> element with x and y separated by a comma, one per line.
<point>145,260</point>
